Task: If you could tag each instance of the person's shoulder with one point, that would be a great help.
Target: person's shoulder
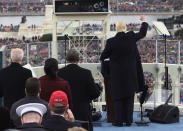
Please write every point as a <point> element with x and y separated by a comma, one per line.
<point>18,103</point>
<point>43,77</point>
<point>84,70</point>
<point>110,39</point>
<point>25,69</point>
<point>62,80</point>
<point>43,102</point>
<point>5,69</point>
<point>62,69</point>
<point>130,33</point>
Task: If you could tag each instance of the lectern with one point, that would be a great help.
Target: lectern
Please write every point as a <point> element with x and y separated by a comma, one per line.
<point>105,70</point>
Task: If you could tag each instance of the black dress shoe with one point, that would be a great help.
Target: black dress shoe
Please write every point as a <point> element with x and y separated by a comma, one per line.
<point>117,124</point>
<point>128,124</point>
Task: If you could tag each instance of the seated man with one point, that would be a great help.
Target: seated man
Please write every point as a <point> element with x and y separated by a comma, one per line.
<point>31,116</point>
<point>32,91</point>
<point>58,105</point>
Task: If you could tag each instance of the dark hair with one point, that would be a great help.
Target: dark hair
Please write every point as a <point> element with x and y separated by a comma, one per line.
<point>72,56</point>
<point>58,110</point>
<point>51,67</point>
<point>4,118</point>
<point>32,86</point>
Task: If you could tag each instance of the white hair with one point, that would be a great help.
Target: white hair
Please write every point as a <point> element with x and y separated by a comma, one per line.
<point>17,54</point>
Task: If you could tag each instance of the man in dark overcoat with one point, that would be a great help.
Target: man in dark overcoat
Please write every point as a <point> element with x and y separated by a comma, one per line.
<point>83,88</point>
<point>124,58</point>
<point>12,79</point>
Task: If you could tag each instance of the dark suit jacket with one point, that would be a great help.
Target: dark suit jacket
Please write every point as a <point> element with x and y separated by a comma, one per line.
<point>58,123</point>
<point>12,83</point>
<point>31,127</point>
<point>122,51</point>
<point>48,86</point>
<point>83,90</point>
<point>25,100</point>
<point>81,82</point>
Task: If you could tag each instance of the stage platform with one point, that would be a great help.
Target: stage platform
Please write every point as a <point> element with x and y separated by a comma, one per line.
<point>152,126</point>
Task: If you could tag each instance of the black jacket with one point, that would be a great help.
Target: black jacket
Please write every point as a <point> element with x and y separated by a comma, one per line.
<point>58,123</point>
<point>12,83</point>
<point>124,58</point>
<point>31,127</point>
<point>81,82</point>
<point>83,90</point>
<point>25,100</point>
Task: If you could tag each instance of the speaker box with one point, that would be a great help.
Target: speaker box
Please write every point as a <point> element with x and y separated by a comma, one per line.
<point>165,114</point>
<point>81,6</point>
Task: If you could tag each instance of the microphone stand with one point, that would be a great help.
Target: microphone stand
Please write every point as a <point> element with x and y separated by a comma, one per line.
<point>142,122</point>
<point>166,68</point>
<point>142,99</point>
<point>65,37</point>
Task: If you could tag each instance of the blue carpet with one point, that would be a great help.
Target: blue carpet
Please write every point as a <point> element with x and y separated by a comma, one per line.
<point>152,126</point>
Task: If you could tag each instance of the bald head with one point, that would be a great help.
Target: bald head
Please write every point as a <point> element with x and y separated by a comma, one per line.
<point>121,27</point>
<point>17,55</point>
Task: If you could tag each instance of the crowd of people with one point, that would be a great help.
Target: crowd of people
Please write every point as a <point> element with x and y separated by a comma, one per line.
<point>147,49</point>
<point>91,50</point>
<point>130,27</point>
<point>85,29</point>
<point>23,6</point>
<point>10,28</point>
<point>52,102</point>
<point>146,5</point>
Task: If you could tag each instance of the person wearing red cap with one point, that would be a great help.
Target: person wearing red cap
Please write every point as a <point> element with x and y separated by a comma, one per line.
<point>61,116</point>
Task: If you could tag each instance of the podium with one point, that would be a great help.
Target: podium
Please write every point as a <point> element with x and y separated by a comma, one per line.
<point>105,70</point>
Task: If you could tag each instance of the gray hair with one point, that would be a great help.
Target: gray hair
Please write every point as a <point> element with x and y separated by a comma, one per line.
<point>31,116</point>
<point>17,54</point>
<point>72,56</point>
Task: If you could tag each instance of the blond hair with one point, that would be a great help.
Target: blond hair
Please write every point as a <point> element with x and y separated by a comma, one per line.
<point>121,27</point>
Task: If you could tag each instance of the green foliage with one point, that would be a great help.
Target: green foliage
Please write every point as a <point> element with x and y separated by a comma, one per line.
<point>179,33</point>
<point>46,37</point>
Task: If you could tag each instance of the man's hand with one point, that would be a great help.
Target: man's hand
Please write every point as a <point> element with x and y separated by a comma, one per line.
<point>69,116</point>
<point>143,18</point>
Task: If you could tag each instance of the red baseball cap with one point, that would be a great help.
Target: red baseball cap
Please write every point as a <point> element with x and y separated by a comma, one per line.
<point>58,99</point>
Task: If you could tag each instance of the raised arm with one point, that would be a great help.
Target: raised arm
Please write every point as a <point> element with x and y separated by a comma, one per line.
<point>143,29</point>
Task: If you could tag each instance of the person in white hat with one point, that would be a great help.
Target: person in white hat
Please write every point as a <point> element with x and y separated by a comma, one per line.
<point>31,116</point>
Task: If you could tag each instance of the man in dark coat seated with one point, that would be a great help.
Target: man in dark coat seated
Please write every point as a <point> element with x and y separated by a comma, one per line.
<point>83,88</point>
<point>12,79</point>
<point>32,91</point>
<point>123,54</point>
<point>31,116</point>
<point>61,118</point>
